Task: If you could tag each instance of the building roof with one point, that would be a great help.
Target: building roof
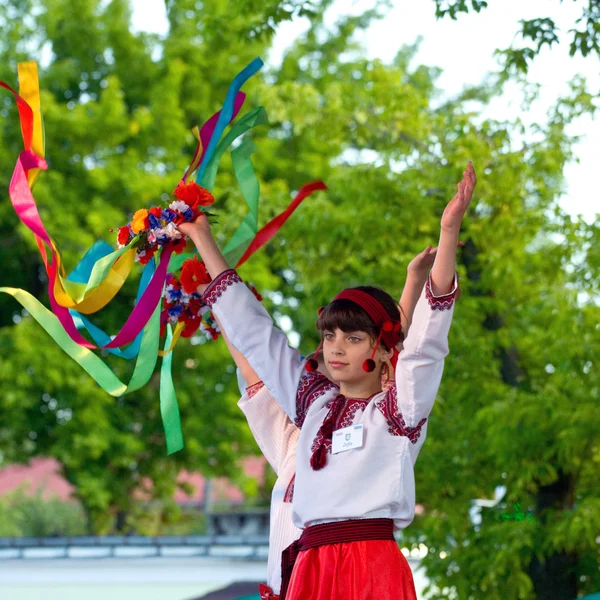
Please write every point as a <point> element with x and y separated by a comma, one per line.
<point>43,475</point>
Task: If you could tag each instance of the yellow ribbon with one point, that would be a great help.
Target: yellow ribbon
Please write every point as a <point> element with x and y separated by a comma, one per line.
<point>176,334</point>
<point>69,294</point>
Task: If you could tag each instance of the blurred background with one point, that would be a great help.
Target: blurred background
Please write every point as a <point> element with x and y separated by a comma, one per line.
<point>385,101</point>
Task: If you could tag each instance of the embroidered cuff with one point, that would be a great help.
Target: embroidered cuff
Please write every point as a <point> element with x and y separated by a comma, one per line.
<point>218,286</point>
<point>252,390</point>
<point>397,426</point>
<point>445,301</point>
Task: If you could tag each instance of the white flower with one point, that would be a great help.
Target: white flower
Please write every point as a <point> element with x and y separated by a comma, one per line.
<point>185,297</point>
<point>172,232</point>
<point>179,206</point>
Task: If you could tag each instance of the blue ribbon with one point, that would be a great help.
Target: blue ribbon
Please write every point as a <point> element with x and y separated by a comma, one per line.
<point>82,273</point>
<point>227,111</point>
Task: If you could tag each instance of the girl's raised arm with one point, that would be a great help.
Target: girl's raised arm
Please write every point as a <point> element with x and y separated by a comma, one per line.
<point>248,326</point>
<point>421,362</point>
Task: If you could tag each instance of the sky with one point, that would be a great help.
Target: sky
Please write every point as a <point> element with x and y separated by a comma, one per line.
<point>464,50</point>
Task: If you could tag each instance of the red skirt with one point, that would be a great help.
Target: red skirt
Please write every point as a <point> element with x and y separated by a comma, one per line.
<point>367,569</point>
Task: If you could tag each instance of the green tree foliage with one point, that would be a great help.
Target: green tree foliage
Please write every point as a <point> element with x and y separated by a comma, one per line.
<point>534,34</point>
<point>518,408</point>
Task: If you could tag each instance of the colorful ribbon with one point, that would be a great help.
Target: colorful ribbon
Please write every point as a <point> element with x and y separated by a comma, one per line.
<point>273,226</point>
<point>226,113</point>
<point>102,272</point>
<point>207,132</point>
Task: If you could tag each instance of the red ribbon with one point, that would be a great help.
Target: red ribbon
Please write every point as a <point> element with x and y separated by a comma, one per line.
<point>273,226</point>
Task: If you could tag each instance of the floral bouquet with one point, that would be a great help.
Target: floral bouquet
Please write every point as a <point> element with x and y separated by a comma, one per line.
<point>183,304</point>
<point>157,226</point>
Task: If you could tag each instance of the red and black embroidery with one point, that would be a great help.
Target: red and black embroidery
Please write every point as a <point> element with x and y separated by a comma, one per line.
<point>444,302</point>
<point>218,285</point>
<point>289,492</point>
<point>252,390</point>
<point>388,406</point>
<point>311,386</point>
<point>341,413</point>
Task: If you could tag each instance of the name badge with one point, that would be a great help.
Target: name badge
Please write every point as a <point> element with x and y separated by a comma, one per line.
<point>347,438</point>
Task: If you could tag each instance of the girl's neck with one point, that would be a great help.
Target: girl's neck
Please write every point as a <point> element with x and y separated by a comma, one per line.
<point>359,389</point>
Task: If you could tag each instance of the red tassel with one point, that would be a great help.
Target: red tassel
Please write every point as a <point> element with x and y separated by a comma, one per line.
<point>319,458</point>
<point>311,365</point>
<point>369,365</point>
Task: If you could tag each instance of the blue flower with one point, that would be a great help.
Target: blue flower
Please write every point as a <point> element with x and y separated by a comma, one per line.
<point>175,311</point>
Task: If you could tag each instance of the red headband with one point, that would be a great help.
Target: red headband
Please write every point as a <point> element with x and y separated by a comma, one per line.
<point>389,328</point>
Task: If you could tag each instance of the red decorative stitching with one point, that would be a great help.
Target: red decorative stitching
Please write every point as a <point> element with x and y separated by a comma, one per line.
<point>388,406</point>
<point>289,492</point>
<point>252,390</point>
<point>311,386</point>
<point>218,286</point>
<point>443,302</point>
<point>352,407</point>
<point>345,419</point>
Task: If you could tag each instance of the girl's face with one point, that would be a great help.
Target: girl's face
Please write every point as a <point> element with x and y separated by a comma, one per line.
<point>344,354</point>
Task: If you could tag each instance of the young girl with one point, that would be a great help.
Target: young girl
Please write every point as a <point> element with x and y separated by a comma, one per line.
<point>357,446</point>
<point>277,436</point>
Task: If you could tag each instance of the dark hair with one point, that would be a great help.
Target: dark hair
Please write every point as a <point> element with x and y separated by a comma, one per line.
<point>348,316</point>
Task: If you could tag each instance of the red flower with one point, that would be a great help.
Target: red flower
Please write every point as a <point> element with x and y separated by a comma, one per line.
<point>191,326</point>
<point>123,235</point>
<point>156,211</point>
<point>193,273</point>
<point>193,195</point>
<point>179,245</point>
<point>194,306</point>
<point>150,250</point>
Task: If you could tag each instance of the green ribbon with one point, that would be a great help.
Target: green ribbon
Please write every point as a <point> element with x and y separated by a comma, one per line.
<point>257,116</point>
<point>178,260</point>
<point>85,358</point>
<point>169,409</point>
<point>248,182</point>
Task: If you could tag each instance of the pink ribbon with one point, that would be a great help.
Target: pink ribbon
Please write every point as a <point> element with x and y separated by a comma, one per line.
<point>26,209</point>
<point>207,130</point>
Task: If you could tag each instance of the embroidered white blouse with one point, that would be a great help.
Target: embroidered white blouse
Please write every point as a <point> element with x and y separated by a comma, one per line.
<point>277,438</point>
<point>377,479</point>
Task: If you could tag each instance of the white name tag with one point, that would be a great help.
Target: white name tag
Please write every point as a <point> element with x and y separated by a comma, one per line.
<point>347,438</point>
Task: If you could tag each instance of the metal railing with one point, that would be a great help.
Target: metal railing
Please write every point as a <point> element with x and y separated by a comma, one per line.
<point>247,546</point>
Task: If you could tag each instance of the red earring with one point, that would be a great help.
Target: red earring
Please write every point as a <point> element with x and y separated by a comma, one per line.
<point>312,364</point>
<point>369,364</point>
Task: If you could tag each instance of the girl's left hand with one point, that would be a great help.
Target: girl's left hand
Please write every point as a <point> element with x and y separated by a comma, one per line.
<point>457,207</point>
<point>420,265</point>
<point>422,262</point>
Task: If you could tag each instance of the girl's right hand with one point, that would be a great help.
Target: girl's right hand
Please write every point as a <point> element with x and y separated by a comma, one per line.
<point>198,229</point>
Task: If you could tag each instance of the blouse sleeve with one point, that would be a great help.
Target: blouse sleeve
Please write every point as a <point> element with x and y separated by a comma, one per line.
<point>408,403</point>
<point>272,429</point>
<point>252,332</point>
